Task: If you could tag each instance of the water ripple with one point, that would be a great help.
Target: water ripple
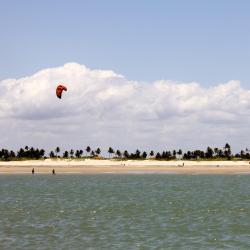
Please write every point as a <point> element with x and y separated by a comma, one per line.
<point>125,212</point>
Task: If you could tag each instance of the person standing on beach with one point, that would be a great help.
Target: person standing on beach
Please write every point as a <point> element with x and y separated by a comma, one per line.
<point>33,171</point>
<point>53,171</point>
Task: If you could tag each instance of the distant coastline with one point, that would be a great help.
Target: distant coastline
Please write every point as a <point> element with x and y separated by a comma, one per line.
<point>93,166</point>
<point>210,154</point>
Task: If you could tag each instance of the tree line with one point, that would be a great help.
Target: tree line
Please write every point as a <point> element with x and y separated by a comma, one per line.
<point>224,153</point>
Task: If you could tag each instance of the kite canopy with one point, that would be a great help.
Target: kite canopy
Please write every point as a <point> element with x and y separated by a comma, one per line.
<point>59,90</point>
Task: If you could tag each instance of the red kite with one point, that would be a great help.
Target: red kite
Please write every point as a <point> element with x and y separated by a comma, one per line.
<point>59,90</point>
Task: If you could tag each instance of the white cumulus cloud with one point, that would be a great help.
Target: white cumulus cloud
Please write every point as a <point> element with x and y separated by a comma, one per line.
<point>102,108</point>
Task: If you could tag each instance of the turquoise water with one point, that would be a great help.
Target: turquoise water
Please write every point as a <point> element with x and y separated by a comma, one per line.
<point>124,212</point>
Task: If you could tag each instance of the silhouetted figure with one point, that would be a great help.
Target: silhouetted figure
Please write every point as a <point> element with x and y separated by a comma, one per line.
<point>53,171</point>
<point>33,170</point>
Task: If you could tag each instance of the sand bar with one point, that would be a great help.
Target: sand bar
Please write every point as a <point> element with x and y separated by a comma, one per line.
<point>89,166</point>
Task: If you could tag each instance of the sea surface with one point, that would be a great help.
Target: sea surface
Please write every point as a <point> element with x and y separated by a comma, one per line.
<point>125,211</point>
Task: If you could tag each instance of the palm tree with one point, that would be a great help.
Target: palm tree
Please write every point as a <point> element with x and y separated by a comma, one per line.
<point>5,154</point>
<point>174,154</point>
<point>179,152</point>
<point>216,151</point>
<point>31,152</point>
<point>158,155</point>
<point>77,153</point>
<point>20,153</point>
<point>227,151</point>
<point>110,151</point>
<point>12,154</point>
<point>66,154</point>
<point>42,152</point>
<point>242,154</point>
<point>51,154</point>
<point>220,153</point>
<point>209,153</point>
<point>71,153</point>
<point>138,153</point>
<point>144,155</point>
<point>88,149</point>
<point>118,153</point>
<point>126,154</point>
<point>80,152</point>
<point>98,151</point>
<point>57,151</point>
<point>152,153</point>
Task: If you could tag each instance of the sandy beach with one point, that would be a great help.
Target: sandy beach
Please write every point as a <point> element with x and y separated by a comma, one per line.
<point>89,166</point>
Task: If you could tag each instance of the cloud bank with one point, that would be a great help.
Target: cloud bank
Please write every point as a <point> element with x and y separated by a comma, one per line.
<point>102,108</point>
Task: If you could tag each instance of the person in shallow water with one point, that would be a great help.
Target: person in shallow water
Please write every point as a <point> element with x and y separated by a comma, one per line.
<point>33,170</point>
<point>53,171</point>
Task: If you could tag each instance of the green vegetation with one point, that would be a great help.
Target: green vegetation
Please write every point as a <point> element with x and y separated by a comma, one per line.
<point>27,153</point>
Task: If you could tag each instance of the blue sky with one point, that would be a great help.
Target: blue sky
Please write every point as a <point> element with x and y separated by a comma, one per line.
<point>203,41</point>
<point>198,50</point>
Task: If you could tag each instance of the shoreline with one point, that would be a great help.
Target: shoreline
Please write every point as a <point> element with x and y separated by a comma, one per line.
<point>89,166</point>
